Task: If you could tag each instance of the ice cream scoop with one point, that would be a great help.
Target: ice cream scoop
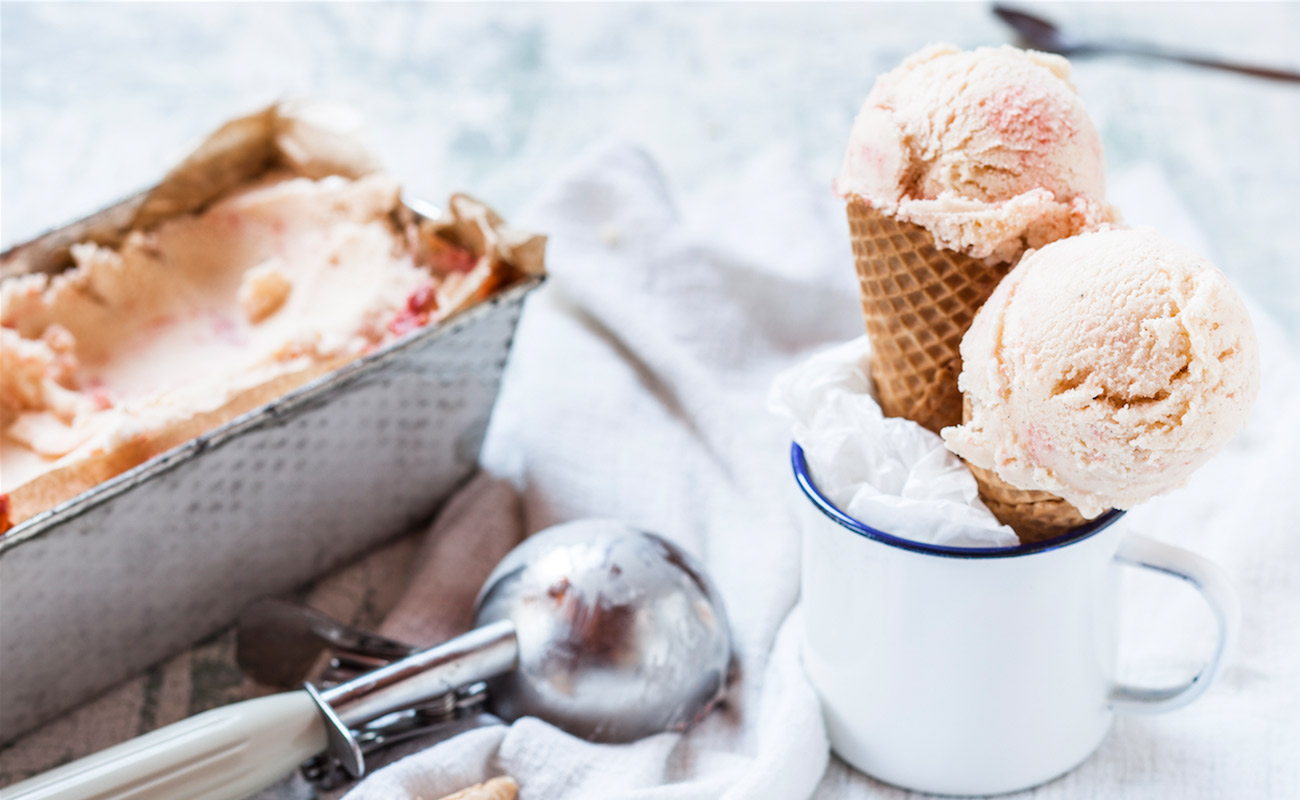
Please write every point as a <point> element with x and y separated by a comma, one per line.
<point>990,150</point>
<point>611,633</point>
<point>1105,369</point>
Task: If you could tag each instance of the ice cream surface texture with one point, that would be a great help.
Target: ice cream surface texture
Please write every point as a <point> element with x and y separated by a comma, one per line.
<point>990,150</point>
<point>280,280</point>
<point>1105,369</point>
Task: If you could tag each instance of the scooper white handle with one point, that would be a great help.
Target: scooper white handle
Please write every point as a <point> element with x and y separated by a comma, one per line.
<point>223,754</point>
<point>232,752</point>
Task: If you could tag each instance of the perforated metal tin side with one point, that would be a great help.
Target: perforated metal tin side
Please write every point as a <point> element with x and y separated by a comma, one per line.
<point>168,553</point>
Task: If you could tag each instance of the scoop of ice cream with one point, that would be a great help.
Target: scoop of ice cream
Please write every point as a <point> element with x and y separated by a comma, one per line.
<point>990,150</point>
<point>1105,369</point>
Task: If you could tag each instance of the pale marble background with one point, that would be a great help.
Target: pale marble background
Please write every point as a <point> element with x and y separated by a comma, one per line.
<point>97,100</point>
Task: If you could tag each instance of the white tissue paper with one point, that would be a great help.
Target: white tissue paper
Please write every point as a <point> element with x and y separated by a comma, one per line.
<point>887,472</point>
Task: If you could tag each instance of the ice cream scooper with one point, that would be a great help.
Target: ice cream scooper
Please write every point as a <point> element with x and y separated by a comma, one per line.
<point>607,632</point>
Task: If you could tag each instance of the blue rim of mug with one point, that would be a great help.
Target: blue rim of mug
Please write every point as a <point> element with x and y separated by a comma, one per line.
<point>804,478</point>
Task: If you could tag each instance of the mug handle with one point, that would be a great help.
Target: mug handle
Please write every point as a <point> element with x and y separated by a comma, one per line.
<point>1138,551</point>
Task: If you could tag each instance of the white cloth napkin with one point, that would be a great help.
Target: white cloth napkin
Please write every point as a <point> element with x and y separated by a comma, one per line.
<point>636,390</point>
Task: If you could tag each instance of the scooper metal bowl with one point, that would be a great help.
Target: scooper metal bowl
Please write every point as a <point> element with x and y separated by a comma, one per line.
<point>607,632</point>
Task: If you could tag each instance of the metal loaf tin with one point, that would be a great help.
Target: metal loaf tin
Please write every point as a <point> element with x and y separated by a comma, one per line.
<point>165,554</point>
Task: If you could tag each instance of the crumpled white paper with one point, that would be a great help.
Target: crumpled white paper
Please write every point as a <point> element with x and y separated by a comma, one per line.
<point>887,472</point>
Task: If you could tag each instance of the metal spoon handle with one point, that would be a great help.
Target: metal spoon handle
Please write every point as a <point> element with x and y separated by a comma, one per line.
<point>1138,49</point>
<point>1042,34</point>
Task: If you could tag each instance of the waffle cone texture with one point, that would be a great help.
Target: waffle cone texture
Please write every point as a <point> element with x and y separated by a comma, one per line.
<point>918,300</point>
<point>1034,516</point>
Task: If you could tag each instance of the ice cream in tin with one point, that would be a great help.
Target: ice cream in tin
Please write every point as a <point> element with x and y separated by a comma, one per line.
<point>275,254</point>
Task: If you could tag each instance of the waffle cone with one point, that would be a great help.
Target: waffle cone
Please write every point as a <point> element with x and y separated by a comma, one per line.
<point>1035,516</point>
<point>918,300</point>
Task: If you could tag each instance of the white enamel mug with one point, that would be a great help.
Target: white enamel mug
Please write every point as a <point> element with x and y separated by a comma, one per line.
<point>977,672</point>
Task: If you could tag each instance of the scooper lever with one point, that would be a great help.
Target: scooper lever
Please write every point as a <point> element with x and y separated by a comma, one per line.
<point>278,642</point>
<point>420,678</point>
<point>234,751</point>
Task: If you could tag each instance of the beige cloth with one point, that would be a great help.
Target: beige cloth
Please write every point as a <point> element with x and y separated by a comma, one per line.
<point>475,531</point>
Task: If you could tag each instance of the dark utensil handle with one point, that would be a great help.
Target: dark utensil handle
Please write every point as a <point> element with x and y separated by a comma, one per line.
<point>1259,72</point>
<point>1187,58</point>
